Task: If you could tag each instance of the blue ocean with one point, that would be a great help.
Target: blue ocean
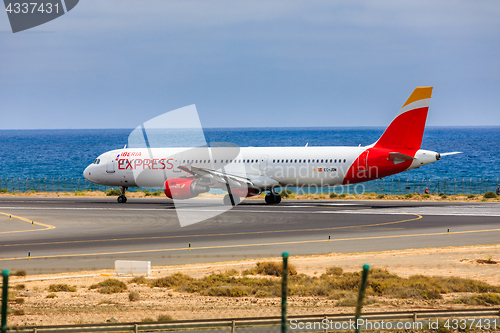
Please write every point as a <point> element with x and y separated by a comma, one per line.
<point>28,156</point>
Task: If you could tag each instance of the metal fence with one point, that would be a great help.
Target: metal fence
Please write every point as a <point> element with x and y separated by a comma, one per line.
<point>380,186</point>
<point>272,324</point>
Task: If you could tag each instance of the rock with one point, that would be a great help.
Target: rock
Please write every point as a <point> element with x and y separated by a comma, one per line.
<point>111,320</point>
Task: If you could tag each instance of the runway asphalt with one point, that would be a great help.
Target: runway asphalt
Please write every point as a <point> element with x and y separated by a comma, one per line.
<point>74,234</point>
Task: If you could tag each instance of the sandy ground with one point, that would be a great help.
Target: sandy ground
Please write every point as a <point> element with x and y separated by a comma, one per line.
<point>88,306</point>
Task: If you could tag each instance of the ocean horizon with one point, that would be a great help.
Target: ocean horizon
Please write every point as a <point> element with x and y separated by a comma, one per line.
<point>64,153</point>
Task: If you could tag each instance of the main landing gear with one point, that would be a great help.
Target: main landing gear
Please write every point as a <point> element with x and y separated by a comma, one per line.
<point>272,198</point>
<point>227,200</point>
<point>122,198</point>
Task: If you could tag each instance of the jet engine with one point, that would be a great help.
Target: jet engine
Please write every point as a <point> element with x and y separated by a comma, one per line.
<point>183,188</point>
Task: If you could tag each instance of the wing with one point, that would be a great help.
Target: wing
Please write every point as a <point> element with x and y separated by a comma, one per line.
<point>213,177</point>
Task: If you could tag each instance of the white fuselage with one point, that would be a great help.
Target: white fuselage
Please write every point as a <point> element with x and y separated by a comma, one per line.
<point>292,166</point>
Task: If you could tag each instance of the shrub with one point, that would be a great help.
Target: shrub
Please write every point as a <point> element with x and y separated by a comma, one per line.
<point>165,318</point>
<point>482,299</point>
<point>61,287</point>
<point>380,196</point>
<point>426,196</point>
<point>334,271</point>
<point>409,195</point>
<point>4,190</point>
<point>18,312</point>
<point>19,286</point>
<point>51,296</point>
<point>227,291</point>
<point>109,286</point>
<point>274,268</point>
<point>443,196</point>
<point>490,195</point>
<point>333,195</point>
<point>20,273</point>
<point>134,296</point>
<point>173,280</point>
<point>471,196</point>
<point>286,193</point>
<point>139,280</point>
<point>110,193</point>
<point>147,320</point>
<point>343,195</point>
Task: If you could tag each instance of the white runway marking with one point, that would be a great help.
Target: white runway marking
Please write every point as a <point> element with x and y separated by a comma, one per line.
<point>477,210</point>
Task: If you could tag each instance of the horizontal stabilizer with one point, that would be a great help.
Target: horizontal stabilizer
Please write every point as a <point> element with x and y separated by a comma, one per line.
<point>399,156</point>
<point>453,153</point>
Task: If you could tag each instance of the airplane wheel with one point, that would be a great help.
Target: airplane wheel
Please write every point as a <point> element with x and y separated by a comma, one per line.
<point>227,200</point>
<point>122,199</point>
<point>272,198</point>
<point>277,198</point>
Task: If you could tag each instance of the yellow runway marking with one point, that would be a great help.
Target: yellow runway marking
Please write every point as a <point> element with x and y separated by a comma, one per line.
<point>47,226</point>
<point>246,245</point>
<point>211,235</point>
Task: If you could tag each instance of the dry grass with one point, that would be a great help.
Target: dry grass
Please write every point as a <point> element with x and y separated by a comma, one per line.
<point>334,284</point>
<point>139,280</point>
<point>61,287</point>
<point>134,296</point>
<point>165,318</point>
<point>109,286</point>
<point>481,299</point>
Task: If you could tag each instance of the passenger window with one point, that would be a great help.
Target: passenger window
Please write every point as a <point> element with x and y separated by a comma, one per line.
<point>321,161</point>
<point>344,160</point>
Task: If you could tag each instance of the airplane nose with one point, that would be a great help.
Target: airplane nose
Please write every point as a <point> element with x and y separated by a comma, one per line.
<point>87,173</point>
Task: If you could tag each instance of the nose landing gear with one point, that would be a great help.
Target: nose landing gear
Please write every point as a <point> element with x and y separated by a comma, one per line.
<point>122,198</point>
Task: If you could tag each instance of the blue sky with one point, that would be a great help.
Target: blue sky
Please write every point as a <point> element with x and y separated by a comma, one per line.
<point>118,63</point>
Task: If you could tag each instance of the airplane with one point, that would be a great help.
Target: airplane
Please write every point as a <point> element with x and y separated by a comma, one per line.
<point>249,171</point>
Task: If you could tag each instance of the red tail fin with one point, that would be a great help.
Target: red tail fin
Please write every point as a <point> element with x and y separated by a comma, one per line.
<point>407,129</point>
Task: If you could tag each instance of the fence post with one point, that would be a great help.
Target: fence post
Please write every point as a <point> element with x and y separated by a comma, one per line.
<point>463,185</point>
<point>480,188</point>
<point>361,296</point>
<point>470,185</point>
<point>284,292</point>
<point>5,295</point>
